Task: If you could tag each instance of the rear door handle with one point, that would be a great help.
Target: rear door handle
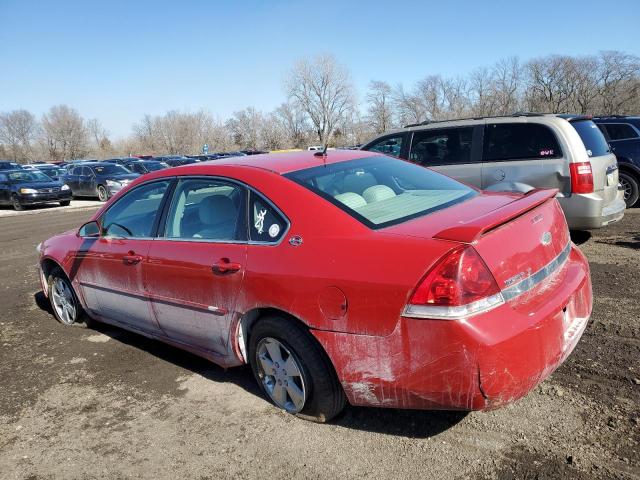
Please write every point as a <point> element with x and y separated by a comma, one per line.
<point>131,258</point>
<point>224,267</point>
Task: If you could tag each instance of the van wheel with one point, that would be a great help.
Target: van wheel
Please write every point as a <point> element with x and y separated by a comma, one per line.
<point>293,370</point>
<point>631,188</point>
<point>102,193</point>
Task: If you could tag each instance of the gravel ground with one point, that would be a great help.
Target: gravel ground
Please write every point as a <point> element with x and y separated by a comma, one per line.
<point>105,403</point>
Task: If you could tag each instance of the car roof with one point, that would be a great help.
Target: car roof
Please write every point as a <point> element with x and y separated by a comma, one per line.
<point>282,163</point>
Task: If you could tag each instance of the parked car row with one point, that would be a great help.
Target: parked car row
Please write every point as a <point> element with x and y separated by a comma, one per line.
<point>522,152</point>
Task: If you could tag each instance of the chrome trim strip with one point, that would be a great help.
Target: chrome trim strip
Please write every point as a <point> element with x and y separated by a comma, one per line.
<point>535,279</point>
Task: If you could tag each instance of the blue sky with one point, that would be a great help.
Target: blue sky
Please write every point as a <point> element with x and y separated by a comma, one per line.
<point>117,60</point>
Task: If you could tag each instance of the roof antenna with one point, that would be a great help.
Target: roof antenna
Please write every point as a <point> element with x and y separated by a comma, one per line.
<point>322,153</point>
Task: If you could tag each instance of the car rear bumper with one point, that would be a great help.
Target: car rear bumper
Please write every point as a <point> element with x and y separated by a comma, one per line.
<point>480,363</point>
<point>41,198</point>
<point>588,211</point>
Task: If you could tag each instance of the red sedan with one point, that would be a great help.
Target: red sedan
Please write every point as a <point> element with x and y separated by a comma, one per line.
<point>347,277</point>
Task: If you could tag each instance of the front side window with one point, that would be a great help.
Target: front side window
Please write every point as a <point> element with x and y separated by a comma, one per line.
<point>388,145</point>
<point>516,141</point>
<point>207,209</point>
<point>110,169</point>
<point>266,224</point>
<point>620,131</point>
<point>134,215</point>
<point>382,191</point>
<point>441,147</point>
<point>592,137</point>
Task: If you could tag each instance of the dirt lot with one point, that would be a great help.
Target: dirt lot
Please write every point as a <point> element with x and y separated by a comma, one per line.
<point>79,403</point>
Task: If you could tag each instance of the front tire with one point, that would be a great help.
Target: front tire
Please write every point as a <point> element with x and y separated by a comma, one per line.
<point>15,203</point>
<point>293,370</point>
<point>631,187</point>
<point>103,196</point>
<point>66,203</point>
<point>64,301</point>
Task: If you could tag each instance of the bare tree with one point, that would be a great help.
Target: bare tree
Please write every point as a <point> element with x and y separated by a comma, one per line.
<point>100,138</point>
<point>507,85</point>
<point>18,131</point>
<point>65,133</point>
<point>380,112</point>
<point>618,80</point>
<point>294,124</point>
<point>245,126</point>
<point>322,89</point>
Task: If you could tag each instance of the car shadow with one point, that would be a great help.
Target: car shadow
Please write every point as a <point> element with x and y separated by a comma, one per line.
<point>580,236</point>
<point>633,244</point>
<point>390,421</point>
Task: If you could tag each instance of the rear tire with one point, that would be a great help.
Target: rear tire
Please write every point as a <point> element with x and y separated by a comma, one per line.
<point>66,203</point>
<point>15,203</point>
<point>316,393</point>
<point>64,301</point>
<point>103,196</point>
<point>631,187</point>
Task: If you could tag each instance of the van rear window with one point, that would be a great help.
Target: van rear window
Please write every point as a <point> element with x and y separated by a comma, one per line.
<point>592,137</point>
<point>514,141</point>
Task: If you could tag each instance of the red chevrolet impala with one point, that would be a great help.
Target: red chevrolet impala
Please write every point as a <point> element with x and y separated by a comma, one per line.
<point>346,277</point>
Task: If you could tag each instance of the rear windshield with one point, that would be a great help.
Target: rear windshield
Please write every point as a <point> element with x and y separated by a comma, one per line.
<point>383,191</point>
<point>592,138</point>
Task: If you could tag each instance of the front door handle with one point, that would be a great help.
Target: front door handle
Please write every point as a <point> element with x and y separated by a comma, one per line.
<point>224,267</point>
<point>131,258</point>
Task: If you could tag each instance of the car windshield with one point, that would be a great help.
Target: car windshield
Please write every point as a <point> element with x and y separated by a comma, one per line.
<point>153,166</point>
<point>592,137</point>
<point>382,191</point>
<point>53,172</point>
<point>110,169</point>
<point>29,176</point>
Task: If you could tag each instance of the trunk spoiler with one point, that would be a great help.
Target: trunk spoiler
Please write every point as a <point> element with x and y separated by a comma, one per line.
<point>471,230</point>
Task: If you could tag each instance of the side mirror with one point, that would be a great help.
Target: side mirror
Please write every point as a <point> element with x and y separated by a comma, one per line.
<point>90,230</point>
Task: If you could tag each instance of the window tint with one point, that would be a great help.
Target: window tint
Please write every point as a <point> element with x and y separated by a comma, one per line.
<point>381,191</point>
<point>620,131</point>
<point>513,141</point>
<point>592,138</point>
<point>3,177</point>
<point>388,145</point>
<point>134,214</point>
<point>438,147</point>
<point>76,171</point>
<point>266,224</point>
<point>207,209</point>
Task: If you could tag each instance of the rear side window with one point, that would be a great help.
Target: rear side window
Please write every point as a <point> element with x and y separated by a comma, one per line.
<point>266,224</point>
<point>515,141</point>
<point>620,131</point>
<point>592,138</point>
<point>441,147</point>
<point>388,145</point>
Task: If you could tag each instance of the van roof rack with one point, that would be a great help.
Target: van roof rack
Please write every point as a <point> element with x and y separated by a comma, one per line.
<point>481,117</point>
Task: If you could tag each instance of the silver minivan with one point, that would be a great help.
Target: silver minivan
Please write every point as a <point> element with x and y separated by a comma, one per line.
<point>519,153</point>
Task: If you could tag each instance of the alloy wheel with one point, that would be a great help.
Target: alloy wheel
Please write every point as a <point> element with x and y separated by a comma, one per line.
<point>281,375</point>
<point>626,187</point>
<point>63,301</point>
<point>102,194</point>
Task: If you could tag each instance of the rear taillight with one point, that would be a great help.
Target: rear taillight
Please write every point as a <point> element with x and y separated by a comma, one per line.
<point>581,177</point>
<point>458,286</point>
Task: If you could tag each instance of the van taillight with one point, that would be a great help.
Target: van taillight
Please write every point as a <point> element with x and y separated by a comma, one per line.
<point>459,286</point>
<point>581,177</point>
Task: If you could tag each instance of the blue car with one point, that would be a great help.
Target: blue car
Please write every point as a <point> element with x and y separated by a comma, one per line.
<point>623,134</point>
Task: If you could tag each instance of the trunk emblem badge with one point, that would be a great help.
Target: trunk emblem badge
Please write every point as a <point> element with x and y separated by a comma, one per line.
<point>545,239</point>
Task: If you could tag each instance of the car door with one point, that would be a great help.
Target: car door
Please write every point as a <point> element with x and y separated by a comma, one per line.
<point>5,194</point>
<point>196,267</point>
<point>110,268</point>
<point>88,181</point>
<point>73,178</point>
<point>521,156</point>
<point>449,151</point>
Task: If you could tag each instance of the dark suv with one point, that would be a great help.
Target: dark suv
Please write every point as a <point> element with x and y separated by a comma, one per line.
<point>623,134</point>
